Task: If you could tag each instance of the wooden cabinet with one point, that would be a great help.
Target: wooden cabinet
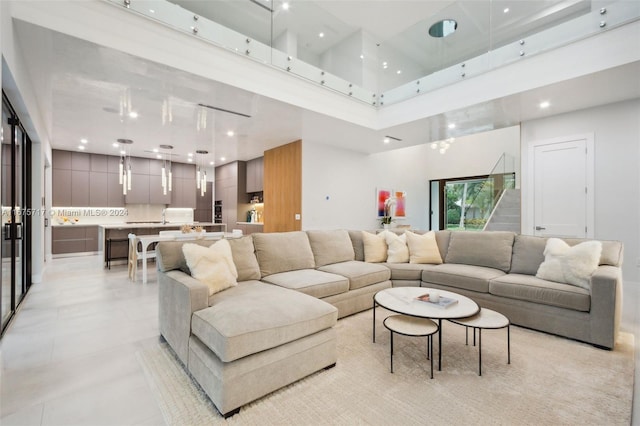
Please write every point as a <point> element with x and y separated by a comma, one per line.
<point>204,205</point>
<point>139,192</point>
<point>115,197</point>
<point>98,189</point>
<point>79,188</point>
<point>184,185</point>
<point>74,239</point>
<point>61,187</point>
<point>255,169</point>
<point>230,187</point>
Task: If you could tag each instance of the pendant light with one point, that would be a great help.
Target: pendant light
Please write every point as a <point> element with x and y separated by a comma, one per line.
<point>167,175</point>
<point>201,172</point>
<point>124,168</point>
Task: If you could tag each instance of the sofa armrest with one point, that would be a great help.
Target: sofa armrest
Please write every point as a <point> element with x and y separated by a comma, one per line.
<point>180,296</point>
<point>606,305</point>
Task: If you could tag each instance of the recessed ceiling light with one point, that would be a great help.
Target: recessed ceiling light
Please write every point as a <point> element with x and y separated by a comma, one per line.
<point>133,114</point>
<point>506,10</point>
<point>155,149</point>
<point>211,163</point>
<point>361,56</point>
<point>321,35</point>
<point>452,125</point>
<point>230,133</point>
<point>285,6</point>
<point>386,140</point>
<point>443,28</point>
<point>399,72</point>
<point>115,144</point>
<point>190,160</point>
<point>81,147</point>
<point>152,11</point>
<point>190,154</point>
<point>83,140</point>
<point>544,104</point>
<point>123,152</point>
<point>159,156</point>
<point>222,158</point>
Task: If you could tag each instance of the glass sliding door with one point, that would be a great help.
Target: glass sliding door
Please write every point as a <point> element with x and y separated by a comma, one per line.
<point>6,290</point>
<point>15,185</point>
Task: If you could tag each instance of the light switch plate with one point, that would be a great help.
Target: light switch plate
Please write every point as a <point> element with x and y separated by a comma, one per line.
<point>297,216</point>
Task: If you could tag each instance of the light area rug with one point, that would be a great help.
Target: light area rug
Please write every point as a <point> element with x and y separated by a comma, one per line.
<point>551,380</point>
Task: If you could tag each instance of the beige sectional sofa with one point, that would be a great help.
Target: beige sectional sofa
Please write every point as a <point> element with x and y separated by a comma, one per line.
<point>275,326</point>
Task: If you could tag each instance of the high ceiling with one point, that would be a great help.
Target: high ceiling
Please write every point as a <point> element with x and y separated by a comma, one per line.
<point>89,91</point>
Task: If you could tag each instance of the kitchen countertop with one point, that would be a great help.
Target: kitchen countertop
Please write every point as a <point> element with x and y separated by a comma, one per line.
<point>250,223</point>
<point>71,225</point>
<point>153,225</point>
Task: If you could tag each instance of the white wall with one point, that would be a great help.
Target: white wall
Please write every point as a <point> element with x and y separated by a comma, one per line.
<point>350,179</point>
<point>616,129</point>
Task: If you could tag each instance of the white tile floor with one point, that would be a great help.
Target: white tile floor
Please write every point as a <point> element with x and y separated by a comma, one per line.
<point>68,358</point>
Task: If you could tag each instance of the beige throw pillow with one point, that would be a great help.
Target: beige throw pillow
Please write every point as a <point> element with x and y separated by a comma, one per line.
<point>212,265</point>
<point>397,250</point>
<point>423,248</point>
<point>375,247</point>
<point>570,265</point>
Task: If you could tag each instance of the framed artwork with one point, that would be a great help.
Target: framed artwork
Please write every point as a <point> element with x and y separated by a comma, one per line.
<point>382,196</point>
<point>401,199</point>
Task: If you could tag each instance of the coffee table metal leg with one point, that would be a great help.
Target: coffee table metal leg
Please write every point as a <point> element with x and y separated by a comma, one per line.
<point>508,343</point>
<point>439,344</point>
<point>479,350</point>
<point>374,320</point>
<point>430,344</point>
<point>391,354</point>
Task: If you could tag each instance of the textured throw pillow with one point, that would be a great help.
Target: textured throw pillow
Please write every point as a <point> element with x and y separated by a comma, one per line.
<point>423,248</point>
<point>212,265</point>
<point>375,247</point>
<point>570,265</point>
<point>397,250</point>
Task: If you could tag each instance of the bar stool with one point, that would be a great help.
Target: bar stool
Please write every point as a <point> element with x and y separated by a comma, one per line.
<point>134,254</point>
<point>107,250</point>
<point>485,319</point>
<point>412,326</point>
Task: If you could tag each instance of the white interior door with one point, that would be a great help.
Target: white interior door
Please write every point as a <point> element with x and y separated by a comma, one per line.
<point>562,178</point>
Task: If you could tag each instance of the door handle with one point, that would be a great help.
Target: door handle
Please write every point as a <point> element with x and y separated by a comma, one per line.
<point>7,231</point>
<point>18,231</point>
<point>540,228</point>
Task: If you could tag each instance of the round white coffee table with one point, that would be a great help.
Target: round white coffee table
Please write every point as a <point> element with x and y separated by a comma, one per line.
<point>485,319</point>
<point>402,300</point>
<point>411,326</point>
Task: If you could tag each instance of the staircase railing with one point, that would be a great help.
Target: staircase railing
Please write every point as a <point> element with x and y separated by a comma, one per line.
<point>485,199</point>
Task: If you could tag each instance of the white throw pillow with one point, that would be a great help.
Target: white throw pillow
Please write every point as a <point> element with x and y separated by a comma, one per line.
<point>423,248</point>
<point>212,265</point>
<point>570,265</point>
<point>375,247</point>
<point>397,250</point>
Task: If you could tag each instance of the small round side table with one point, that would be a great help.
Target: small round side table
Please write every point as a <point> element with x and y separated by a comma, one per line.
<point>485,319</point>
<point>412,326</point>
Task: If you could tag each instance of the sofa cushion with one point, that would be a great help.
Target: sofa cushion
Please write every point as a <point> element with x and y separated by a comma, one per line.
<point>423,248</point>
<point>488,248</point>
<point>468,277</point>
<point>358,245</point>
<point>375,247</point>
<point>212,266</point>
<point>330,246</point>
<point>282,252</point>
<point>310,281</point>
<point>360,274</point>
<point>254,316</point>
<point>245,258</point>
<point>528,254</point>
<point>570,265</point>
<point>171,256</point>
<point>397,249</point>
<point>532,289</point>
<point>408,271</point>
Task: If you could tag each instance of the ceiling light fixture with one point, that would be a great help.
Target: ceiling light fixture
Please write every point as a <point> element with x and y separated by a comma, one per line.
<point>133,114</point>
<point>83,140</point>
<point>452,125</point>
<point>115,144</point>
<point>443,28</point>
<point>399,72</point>
<point>506,10</point>
<point>544,104</point>
<point>321,35</point>
<point>222,158</point>
<point>81,147</point>
<point>230,133</point>
<point>361,56</point>
<point>211,163</point>
<point>386,140</point>
<point>285,6</point>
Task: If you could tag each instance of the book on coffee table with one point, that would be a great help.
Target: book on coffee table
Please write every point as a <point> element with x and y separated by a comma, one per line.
<point>442,302</point>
